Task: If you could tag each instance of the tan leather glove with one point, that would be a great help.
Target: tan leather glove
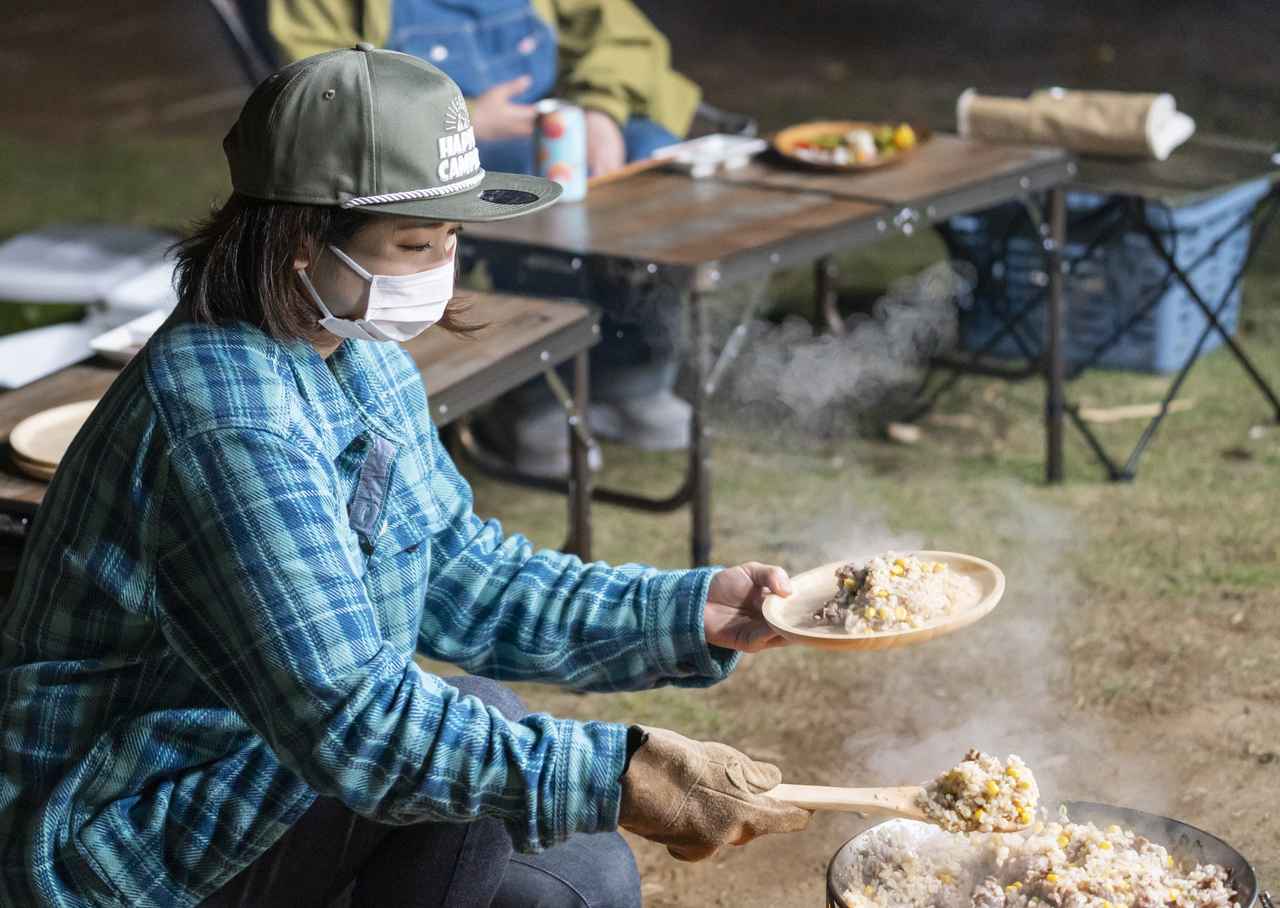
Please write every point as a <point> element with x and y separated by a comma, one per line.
<point>695,797</point>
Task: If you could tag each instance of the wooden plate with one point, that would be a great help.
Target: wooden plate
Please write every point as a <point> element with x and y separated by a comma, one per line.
<point>42,439</point>
<point>41,471</point>
<point>792,617</point>
<point>785,143</point>
<point>34,470</point>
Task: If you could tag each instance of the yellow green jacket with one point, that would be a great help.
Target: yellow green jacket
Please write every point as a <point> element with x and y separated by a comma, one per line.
<point>611,58</point>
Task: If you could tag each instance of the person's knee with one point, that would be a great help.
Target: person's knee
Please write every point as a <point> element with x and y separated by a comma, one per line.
<point>587,871</point>
<point>443,864</point>
<point>643,137</point>
<point>491,693</point>
<point>618,878</point>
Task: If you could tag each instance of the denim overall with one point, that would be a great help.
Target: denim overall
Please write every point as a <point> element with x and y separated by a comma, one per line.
<point>480,44</point>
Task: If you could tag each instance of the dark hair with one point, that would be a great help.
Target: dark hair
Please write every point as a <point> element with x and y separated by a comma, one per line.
<point>237,265</point>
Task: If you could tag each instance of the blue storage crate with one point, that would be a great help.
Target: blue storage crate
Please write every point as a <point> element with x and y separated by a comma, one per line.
<point>1106,289</point>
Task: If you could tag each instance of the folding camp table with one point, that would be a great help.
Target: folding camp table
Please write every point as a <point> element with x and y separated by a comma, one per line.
<point>950,176</point>
<point>701,236</point>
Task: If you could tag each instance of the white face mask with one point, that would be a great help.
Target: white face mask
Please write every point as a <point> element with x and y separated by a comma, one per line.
<point>400,306</point>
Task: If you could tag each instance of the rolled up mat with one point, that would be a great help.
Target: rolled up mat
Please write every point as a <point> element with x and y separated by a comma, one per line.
<point>1090,122</point>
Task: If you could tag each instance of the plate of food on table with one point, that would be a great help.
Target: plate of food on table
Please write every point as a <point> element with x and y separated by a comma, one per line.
<point>851,144</point>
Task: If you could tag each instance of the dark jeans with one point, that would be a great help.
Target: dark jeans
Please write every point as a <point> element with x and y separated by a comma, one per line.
<point>332,854</point>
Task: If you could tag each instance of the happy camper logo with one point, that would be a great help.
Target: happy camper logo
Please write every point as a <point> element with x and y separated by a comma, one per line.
<point>459,157</point>
<point>457,118</point>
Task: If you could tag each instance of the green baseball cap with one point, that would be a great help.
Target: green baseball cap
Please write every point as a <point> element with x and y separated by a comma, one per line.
<point>376,130</point>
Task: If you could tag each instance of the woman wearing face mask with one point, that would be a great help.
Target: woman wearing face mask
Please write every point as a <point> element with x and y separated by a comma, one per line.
<point>207,686</point>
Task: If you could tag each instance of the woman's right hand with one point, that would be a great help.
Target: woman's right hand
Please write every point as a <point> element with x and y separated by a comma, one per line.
<point>695,797</point>
<point>495,116</point>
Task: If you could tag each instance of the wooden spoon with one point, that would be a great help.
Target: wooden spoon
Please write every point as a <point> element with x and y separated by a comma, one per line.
<point>885,802</point>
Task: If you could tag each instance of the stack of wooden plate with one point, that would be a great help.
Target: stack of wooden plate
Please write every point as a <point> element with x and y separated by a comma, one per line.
<point>38,443</point>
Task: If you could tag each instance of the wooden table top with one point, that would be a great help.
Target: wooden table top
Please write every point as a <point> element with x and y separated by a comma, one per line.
<point>668,219</point>
<point>771,213</point>
<point>946,164</point>
<point>459,372</point>
<point>514,325</point>
<point>941,166</point>
<point>1205,166</point>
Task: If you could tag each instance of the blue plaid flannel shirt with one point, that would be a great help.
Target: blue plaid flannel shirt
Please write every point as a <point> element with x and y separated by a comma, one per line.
<point>215,617</point>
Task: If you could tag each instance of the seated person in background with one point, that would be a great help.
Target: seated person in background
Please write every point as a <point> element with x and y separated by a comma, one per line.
<point>605,56</point>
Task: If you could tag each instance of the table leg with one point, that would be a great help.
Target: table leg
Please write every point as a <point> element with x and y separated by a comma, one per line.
<point>1055,360</point>
<point>699,440</point>
<point>580,464</point>
<point>1138,220</point>
<point>826,273</point>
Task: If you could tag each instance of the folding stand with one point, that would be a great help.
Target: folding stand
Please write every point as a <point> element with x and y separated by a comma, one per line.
<point>1261,216</point>
<point>1206,167</point>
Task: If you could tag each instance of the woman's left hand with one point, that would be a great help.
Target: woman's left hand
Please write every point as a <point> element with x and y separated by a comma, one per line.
<point>732,617</point>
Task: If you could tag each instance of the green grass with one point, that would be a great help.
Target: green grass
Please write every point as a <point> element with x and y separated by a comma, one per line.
<point>145,181</point>
<point>158,183</point>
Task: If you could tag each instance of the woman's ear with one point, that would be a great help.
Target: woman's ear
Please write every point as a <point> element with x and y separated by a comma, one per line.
<point>300,263</point>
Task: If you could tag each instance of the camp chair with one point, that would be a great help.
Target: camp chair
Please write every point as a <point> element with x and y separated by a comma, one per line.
<point>245,24</point>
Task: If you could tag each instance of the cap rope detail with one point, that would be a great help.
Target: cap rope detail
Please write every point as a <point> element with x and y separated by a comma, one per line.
<point>428,192</point>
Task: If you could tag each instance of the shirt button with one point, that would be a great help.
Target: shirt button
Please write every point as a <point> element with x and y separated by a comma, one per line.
<point>439,53</point>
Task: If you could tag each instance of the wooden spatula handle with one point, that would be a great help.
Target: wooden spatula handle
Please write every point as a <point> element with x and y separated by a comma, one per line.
<point>816,797</point>
<point>627,170</point>
<point>892,801</point>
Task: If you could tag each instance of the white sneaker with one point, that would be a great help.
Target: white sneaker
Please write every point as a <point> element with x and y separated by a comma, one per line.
<point>657,422</point>
<point>535,443</point>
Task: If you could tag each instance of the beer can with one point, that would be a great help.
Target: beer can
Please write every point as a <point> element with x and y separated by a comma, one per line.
<point>560,146</point>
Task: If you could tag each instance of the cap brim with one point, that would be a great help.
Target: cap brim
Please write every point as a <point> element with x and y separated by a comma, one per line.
<point>498,197</point>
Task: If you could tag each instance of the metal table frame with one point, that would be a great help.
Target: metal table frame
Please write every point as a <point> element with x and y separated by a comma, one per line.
<point>1049,223</point>
<point>451,410</point>
<point>816,246</point>
<point>1117,216</point>
<point>696,283</point>
<point>1134,214</point>
<point>578,486</point>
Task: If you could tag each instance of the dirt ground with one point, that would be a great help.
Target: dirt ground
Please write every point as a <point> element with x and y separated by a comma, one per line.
<point>1161,702</point>
<point>1134,658</point>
